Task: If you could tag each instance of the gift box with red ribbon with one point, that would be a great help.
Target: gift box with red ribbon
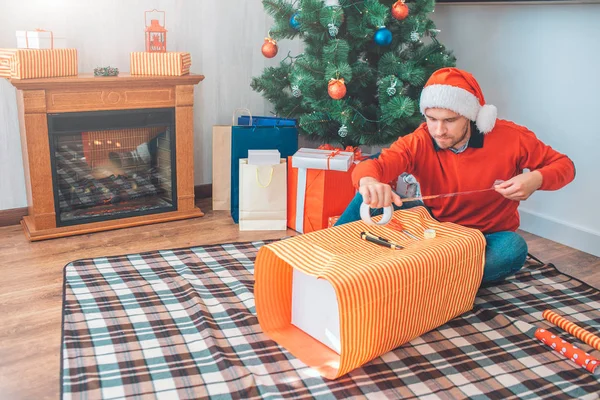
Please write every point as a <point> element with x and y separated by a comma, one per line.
<point>319,186</point>
<point>39,39</point>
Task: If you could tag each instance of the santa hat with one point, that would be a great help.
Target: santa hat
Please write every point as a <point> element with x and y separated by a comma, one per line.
<point>457,90</point>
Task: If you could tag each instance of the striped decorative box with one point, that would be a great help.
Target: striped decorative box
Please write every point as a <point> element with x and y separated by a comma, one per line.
<point>37,63</point>
<point>336,301</point>
<point>164,64</point>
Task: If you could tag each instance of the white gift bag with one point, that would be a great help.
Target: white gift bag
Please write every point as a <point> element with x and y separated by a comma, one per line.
<point>263,196</point>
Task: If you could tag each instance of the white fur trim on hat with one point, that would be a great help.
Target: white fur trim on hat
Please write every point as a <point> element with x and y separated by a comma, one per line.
<point>461,102</point>
<point>452,98</point>
<point>486,118</point>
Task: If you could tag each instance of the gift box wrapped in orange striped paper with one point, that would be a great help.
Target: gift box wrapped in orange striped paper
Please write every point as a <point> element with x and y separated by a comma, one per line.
<point>37,63</point>
<point>164,64</point>
<point>336,301</point>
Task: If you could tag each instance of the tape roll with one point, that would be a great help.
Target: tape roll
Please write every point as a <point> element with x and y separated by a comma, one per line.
<point>429,234</point>
<point>365,215</point>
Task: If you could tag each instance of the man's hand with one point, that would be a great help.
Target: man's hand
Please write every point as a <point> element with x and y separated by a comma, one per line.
<point>521,186</point>
<point>377,194</point>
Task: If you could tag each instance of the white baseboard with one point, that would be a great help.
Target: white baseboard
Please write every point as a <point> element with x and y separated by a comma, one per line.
<point>570,235</point>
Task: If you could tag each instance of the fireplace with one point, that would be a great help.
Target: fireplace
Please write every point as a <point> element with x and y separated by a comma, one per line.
<point>106,152</point>
<point>112,164</point>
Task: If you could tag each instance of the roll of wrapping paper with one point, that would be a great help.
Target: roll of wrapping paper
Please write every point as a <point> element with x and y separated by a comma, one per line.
<point>573,329</point>
<point>578,356</point>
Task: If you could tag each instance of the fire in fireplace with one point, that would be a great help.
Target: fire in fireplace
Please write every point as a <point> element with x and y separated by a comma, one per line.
<point>112,164</point>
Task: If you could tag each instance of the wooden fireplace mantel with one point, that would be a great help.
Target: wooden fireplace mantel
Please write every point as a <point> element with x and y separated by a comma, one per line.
<point>38,97</point>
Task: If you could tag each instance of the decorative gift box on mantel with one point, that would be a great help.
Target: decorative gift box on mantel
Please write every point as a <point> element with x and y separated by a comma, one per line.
<point>164,64</point>
<point>34,63</point>
<point>336,301</point>
<point>40,39</point>
<point>319,186</point>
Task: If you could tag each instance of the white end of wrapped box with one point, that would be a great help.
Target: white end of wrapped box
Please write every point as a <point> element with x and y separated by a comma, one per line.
<point>315,309</point>
<point>39,40</point>
<point>318,159</point>
<point>263,157</point>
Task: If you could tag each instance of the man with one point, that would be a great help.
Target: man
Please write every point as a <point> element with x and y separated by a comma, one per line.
<point>462,146</point>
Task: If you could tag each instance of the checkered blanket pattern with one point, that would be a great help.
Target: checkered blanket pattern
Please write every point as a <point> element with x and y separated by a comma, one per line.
<point>79,189</point>
<point>182,324</point>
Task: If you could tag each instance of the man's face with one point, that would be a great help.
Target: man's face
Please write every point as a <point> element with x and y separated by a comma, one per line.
<point>447,128</point>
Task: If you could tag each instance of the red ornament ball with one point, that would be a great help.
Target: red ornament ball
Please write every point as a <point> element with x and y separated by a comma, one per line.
<point>336,89</point>
<point>399,10</point>
<point>269,48</point>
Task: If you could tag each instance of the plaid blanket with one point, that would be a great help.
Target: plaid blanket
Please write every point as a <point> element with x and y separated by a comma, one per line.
<point>182,324</point>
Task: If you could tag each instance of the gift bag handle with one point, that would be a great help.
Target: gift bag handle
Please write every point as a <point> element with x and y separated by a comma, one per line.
<point>235,113</point>
<point>270,178</point>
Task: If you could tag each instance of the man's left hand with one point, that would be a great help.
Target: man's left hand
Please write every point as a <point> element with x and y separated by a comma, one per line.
<point>521,186</point>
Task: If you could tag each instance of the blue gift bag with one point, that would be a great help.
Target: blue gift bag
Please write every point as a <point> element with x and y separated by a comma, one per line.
<point>246,120</point>
<point>244,138</point>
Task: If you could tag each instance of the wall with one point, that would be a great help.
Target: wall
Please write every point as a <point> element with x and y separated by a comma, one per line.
<point>538,65</point>
<point>224,38</point>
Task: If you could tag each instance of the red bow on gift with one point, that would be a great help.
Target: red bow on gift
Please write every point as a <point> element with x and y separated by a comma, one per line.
<point>333,153</point>
<point>356,150</point>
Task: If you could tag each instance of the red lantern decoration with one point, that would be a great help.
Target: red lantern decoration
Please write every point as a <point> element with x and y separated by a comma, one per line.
<point>156,34</point>
<point>336,88</point>
<point>399,10</point>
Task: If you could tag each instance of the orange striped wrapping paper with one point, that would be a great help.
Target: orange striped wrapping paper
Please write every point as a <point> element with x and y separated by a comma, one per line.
<point>164,64</point>
<point>332,220</point>
<point>573,329</point>
<point>37,63</point>
<point>385,297</point>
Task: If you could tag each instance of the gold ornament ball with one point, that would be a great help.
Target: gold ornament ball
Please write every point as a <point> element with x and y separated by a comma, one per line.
<point>336,89</point>
<point>269,48</point>
<point>399,10</point>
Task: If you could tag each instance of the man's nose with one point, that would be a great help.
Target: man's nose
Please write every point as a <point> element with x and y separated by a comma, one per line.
<point>440,128</point>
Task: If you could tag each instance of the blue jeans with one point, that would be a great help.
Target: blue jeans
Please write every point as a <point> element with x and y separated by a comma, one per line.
<point>505,252</point>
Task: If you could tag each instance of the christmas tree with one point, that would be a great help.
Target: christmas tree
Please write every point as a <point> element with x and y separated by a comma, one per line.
<point>361,73</point>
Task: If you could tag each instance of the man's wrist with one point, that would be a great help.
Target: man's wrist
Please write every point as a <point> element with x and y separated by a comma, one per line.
<point>367,180</point>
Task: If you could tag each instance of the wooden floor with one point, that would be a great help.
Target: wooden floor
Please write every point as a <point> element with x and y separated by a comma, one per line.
<point>31,286</point>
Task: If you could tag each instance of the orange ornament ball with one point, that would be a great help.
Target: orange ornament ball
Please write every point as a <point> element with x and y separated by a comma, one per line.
<point>399,10</point>
<point>269,48</point>
<point>336,89</point>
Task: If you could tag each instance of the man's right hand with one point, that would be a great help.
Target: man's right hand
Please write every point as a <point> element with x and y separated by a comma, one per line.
<point>377,194</point>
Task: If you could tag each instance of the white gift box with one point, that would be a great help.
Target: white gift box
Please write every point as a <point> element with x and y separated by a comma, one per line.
<point>323,159</point>
<point>263,157</point>
<point>39,40</point>
<point>315,309</point>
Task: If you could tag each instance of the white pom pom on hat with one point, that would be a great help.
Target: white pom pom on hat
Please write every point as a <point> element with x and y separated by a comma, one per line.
<point>457,90</point>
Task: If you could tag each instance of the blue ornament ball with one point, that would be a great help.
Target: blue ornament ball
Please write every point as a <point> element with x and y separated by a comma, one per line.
<point>383,36</point>
<point>294,23</point>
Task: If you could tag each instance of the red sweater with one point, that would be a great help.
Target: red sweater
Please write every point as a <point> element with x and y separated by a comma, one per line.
<point>500,154</point>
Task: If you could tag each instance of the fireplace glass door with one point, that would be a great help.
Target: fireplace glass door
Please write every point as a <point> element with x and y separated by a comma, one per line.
<point>112,164</point>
